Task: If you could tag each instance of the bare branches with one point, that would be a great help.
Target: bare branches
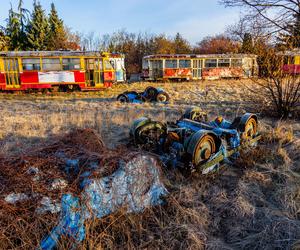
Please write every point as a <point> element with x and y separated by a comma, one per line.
<point>277,13</point>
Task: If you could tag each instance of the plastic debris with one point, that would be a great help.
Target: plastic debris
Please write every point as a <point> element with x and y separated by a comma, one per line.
<point>13,198</point>
<point>48,205</point>
<point>134,185</point>
<point>58,184</point>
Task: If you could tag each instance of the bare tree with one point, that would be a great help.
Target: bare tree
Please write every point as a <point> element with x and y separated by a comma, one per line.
<point>277,14</point>
<point>255,26</point>
<point>280,88</point>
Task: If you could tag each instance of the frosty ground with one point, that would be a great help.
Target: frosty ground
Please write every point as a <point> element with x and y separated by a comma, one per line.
<point>254,204</point>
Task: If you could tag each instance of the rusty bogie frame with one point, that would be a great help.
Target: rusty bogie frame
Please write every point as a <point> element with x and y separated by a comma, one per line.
<point>195,144</point>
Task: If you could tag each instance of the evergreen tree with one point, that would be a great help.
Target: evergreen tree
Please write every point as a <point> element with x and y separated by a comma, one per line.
<point>13,30</point>
<point>57,37</point>
<point>3,40</point>
<point>23,19</point>
<point>181,45</point>
<point>291,38</point>
<point>37,28</point>
<point>247,46</point>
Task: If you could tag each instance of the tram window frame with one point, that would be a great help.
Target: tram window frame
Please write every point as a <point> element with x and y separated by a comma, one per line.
<point>238,64</point>
<point>34,62</point>
<point>185,63</point>
<point>171,64</point>
<point>224,63</point>
<point>145,64</point>
<point>48,64</point>
<point>71,63</point>
<point>107,62</point>
<point>211,63</point>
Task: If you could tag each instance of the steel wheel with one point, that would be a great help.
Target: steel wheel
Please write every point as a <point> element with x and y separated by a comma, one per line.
<point>162,97</point>
<point>122,98</point>
<point>250,129</point>
<point>205,148</point>
<point>148,135</point>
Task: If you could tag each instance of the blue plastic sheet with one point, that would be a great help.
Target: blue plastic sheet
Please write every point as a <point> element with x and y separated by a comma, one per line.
<point>135,185</point>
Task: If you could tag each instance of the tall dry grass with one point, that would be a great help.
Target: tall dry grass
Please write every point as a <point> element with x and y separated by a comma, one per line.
<point>254,204</point>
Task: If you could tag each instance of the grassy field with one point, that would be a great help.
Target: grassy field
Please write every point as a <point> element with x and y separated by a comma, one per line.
<point>254,204</point>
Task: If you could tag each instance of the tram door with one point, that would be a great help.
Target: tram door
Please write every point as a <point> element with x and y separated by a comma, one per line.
<point>12,74</point>
<point>89,72</point>
<point>157,69</point>
<point>197,69</point>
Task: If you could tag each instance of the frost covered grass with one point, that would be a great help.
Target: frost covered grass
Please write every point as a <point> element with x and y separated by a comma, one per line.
<point>254,204</point>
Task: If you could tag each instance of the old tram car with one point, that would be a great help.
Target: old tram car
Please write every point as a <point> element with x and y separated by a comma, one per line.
<point>196,67</point>
<point>67,70</point>
<point>291,61</point>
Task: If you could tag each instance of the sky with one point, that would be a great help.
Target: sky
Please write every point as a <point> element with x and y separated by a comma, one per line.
<point>194,19</point>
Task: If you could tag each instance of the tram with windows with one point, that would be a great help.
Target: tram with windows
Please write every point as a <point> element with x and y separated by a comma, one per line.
<point>291,61</point>
<point>67,70</point>
<point>196,67</point>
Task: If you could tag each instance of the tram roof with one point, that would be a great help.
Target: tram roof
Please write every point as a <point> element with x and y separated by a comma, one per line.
<point>294,52</point>
<point>58,53</point>
<point>200,56</point>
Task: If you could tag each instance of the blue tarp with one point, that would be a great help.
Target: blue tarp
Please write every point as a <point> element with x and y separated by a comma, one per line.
<point>135,185</point>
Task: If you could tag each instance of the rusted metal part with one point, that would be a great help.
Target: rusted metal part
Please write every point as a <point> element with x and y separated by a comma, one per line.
<point>193,142</point>
<point>221,157</point>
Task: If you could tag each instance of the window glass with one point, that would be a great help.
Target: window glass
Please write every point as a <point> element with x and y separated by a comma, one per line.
<point>236,63</point>
<point>145,64</point>
<point>223,63</point>
<point>31,64</point>
<point>184,64</point>
<point>107,65</point>
<point>156,64</point>
<point>112,62</point>
<point>171,64</point>
<point>210,63</point>
<point>71,63</point>
<point>51,64</point>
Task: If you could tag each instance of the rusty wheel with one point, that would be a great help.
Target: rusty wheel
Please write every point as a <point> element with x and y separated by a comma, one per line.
<point>250,129</point>
<point>162,97</point>
<point>205,148</point>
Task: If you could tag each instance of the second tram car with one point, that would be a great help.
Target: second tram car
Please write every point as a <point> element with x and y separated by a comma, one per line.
<point>196,67</point>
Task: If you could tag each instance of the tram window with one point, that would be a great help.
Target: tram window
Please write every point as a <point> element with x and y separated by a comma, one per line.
<point>107,65</point>
<point>71,63</point>
<point>224,63</point>
<point>145,64</point>
<point>236,63</point>
<point>31,64</point>
<point>51,64</point>
<point>184,64</point>
<point>210,63</point>
<point>171,64</point>
<point>156,64</point>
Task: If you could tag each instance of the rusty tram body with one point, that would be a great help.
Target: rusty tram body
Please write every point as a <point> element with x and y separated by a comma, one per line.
<point>197,67</point>
<point>66,70</point>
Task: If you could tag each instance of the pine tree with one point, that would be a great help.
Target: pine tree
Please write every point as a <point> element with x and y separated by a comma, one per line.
<point>290,39</point>
<point>247,46</point>
<point>37,28</point>
<point>181,45</point>
<point>13,30</point>
<point>23,19</point>
<point>57,37</point>
<point>3,40</point>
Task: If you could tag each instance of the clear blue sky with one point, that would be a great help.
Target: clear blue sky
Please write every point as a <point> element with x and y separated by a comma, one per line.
<point>194,19</point>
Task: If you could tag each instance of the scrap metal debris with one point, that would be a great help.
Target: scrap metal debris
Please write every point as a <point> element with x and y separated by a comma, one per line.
<point>151,94</point>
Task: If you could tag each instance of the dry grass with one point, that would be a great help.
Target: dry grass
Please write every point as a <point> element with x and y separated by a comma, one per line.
<point>254,204</point>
